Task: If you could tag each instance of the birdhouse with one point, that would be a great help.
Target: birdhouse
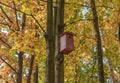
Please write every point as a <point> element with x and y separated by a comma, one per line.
<point>66,42</point>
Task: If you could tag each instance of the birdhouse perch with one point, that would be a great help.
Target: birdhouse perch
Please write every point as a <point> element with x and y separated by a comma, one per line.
<point>66,42</point>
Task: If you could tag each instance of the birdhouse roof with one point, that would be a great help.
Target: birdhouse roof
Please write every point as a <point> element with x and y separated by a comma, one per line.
<point>68,33</point>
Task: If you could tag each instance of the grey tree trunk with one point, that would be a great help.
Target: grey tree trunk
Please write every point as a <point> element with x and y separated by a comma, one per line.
<point>98,41</point>
<point>111,71</point>
<point>59,70</point>
<point>35,75</point>
<point>20,67</point>
<point>31,69</point>
<point>50,65</point>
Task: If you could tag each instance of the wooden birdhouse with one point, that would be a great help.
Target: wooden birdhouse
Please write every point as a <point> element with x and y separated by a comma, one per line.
<point>66,42</point>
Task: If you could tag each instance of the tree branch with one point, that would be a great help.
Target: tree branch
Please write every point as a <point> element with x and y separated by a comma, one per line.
<point>23,21</point>
<point>76,4</point>
<point>31,68</point>
<point>14,8</point>
<point>26,14</point>
<point>16,15</point>
<point>5,14</point>
<point>8,64</point>
<point>73,22</point>
<point>38,23</point>
<point>5,43</point>
<point>7,25</point>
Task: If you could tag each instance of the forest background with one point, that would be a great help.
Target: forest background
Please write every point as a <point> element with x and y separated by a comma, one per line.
<point>29,41</point>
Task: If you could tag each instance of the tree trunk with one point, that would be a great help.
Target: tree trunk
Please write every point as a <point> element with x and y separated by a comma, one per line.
<point>50,68</point>
<point>119,36</point>
<point>111,71</point>
<point>119,33</point>
<point>98,41</point>
<point>60,28</point>
<point>35,75</point>
<point>31,68</point>
<point>20,67</point>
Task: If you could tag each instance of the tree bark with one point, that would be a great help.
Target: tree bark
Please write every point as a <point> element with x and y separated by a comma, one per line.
<point>98,41</point>
<point>35,75</point>
<point>20,67</point>
<point>111,71</point>
<point>31,68</point>
<point>119,32</point>
<point>50,65</point>
<point>59,56</point>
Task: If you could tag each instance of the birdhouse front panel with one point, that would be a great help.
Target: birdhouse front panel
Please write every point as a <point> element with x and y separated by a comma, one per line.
<point>69,42</point>
<point>63,43</point>
<point>66,43</point>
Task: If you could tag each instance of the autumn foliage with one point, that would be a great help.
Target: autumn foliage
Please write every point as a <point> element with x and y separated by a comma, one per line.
<point>23,32</point>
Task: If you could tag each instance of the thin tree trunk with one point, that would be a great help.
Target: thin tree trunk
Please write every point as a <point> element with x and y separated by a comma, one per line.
<point>50,65</point>
<point>118,19</point>
<point>20,54</point>
<point>20,67</point>
<point>99,45</point>
<point>31,68</point>
<point>119,33</point>
<point>35,75</point>
<point>59,56</point>
<point>111,71</point>
<point>6,81</point>
<point>55,29</point>
<point>76,74</point>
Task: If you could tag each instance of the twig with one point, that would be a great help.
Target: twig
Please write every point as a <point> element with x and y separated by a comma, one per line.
<point>13,8</point>
<point>5,14</point>
<point>76,4</point>
<point>5,43</point>
<point>38,23</point>
<point>16,15</point>
<point>102,6</point>
<point>26,14</point>
<point>8,64</point>
<point>73,22</point>
<point>7,25</point>
<point>85,5</point>
<point>2,23</point>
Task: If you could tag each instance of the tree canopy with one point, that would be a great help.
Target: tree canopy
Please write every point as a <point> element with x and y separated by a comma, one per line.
<point>26,31</point>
